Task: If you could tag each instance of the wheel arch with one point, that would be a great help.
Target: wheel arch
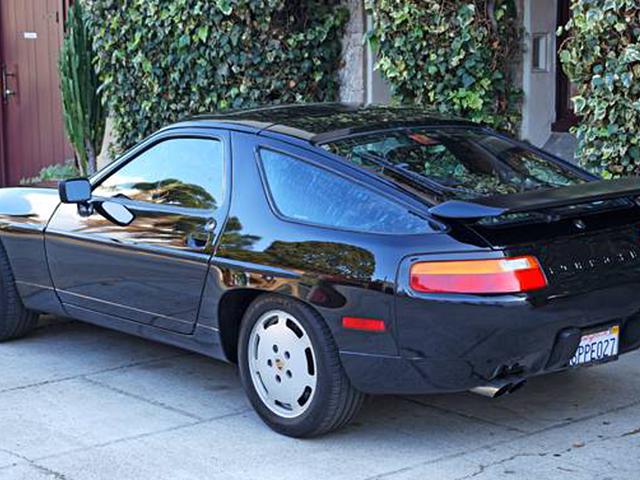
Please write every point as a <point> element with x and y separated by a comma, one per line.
<point>231,309</point>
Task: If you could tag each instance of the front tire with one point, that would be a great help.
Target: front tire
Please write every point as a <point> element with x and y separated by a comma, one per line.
<point>291,370</point>
<point>15,320</point>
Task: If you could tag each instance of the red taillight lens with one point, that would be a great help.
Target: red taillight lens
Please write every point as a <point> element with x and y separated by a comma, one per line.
<point>504,275</point>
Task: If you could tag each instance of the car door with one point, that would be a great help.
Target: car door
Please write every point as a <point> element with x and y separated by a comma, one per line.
<point>152,270</point>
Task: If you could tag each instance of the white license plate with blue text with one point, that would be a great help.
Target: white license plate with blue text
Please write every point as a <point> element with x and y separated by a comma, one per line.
<point>597,347</point>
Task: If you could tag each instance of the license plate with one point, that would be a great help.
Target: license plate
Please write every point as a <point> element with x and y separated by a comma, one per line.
<point>597,347</point>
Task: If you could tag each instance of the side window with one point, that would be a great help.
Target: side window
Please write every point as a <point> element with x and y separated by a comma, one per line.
<point>185,172</point>
<point>312,194</point>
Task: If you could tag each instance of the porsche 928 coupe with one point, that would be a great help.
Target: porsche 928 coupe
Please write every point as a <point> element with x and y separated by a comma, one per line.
<point>334,251</point>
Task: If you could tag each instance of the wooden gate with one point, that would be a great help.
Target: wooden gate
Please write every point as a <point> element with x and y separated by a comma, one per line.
<point>31,33</point>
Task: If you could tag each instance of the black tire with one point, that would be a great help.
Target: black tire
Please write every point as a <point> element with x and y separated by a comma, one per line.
<point>334,403</point>
<point>15,320</point>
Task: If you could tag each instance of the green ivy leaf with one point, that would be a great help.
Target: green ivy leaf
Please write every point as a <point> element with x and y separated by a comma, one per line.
<point>225,6</point>
<point>203,33</point>
<point>579,103</point>
<point>184,41</point>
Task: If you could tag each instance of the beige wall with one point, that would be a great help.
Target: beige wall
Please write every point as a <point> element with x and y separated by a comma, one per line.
<point>538,112</point>
<point>352,72</point>
<point>360,82</point>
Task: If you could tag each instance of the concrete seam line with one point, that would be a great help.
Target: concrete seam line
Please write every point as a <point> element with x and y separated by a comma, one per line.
<point>97,372</point>
<point>155,403</point>
<point>463,415</point>
<point>501,442</point>
<point>142,435</point>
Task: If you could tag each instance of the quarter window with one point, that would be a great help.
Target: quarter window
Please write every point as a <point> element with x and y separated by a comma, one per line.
<point>184,172</point>
<point>312,194</point>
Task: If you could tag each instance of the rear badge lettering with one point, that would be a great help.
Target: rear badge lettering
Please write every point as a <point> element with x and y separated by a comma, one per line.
<point>584,265</point>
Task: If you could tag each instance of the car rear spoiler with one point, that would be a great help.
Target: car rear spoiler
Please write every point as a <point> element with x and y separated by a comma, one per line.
<point>538,199</point>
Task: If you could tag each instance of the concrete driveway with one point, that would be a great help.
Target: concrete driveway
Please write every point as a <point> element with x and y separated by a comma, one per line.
<point>80,402</point>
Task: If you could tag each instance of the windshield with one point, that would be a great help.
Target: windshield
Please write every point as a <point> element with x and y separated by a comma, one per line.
<point>455,162</point>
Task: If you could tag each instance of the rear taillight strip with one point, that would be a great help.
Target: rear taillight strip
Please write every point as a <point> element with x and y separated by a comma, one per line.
<point>491,276</point>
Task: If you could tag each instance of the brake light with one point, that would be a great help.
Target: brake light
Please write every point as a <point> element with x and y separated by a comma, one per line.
<point>504,275</point>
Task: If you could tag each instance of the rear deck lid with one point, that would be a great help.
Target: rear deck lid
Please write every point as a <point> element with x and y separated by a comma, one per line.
<point>585,236</point>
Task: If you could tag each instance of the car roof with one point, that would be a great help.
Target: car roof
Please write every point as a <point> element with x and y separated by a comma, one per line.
<point>321,123</point>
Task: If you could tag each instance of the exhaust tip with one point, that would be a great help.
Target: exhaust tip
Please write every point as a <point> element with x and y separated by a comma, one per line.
<point>492,390</point>
<point>499,388</point>
<point>503,391</point>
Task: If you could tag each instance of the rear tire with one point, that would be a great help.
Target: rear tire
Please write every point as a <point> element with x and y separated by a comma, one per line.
<point>291,370</point>
<point>15,320</point>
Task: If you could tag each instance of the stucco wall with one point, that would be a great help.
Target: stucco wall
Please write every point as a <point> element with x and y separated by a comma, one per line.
<point>352,71</point>
<point>539,86</point>
<point>359,81</point>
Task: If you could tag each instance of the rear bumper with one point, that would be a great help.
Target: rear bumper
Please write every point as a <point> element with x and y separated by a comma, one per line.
<point>448,346</point>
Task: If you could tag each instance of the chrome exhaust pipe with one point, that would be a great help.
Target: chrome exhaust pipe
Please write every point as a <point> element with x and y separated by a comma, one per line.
<point>494,389</point>
<point>498,388</point>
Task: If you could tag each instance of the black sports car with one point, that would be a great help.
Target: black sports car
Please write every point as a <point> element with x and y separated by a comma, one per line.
<point>334,251</point>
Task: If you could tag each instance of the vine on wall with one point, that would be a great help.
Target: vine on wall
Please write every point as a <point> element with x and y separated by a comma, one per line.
<point>161,60</point>
<point>602,58</point>
<point>458,57</point>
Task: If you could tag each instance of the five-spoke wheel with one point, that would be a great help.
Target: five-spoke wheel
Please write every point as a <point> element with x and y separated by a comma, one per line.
<point>291,370</point>
<point>282,363</point>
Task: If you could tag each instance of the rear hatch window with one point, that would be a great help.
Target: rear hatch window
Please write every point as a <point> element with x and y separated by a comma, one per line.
<point>459,163</point>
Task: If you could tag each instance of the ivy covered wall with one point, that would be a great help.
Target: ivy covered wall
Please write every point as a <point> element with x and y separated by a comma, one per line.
<point>457,56</point>
<point>602,57</point>
<point>161,60</point>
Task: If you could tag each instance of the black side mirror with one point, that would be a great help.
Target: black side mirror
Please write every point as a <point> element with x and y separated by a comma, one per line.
<point>75,190</point>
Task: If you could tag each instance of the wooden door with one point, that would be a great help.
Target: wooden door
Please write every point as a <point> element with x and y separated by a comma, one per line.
<point>31,33</point>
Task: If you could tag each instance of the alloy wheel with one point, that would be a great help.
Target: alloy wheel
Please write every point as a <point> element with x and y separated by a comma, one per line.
<point>282,364</point>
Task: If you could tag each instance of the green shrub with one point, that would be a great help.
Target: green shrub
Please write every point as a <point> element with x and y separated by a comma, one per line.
<point>83,111</point>
<point>161,60</point>
<point>602,57</point>
<point>455,56</point>
<point>53,173</point>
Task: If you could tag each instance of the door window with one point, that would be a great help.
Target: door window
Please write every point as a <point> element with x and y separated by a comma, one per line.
<point>315,195</point>
<point>184,172</point>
